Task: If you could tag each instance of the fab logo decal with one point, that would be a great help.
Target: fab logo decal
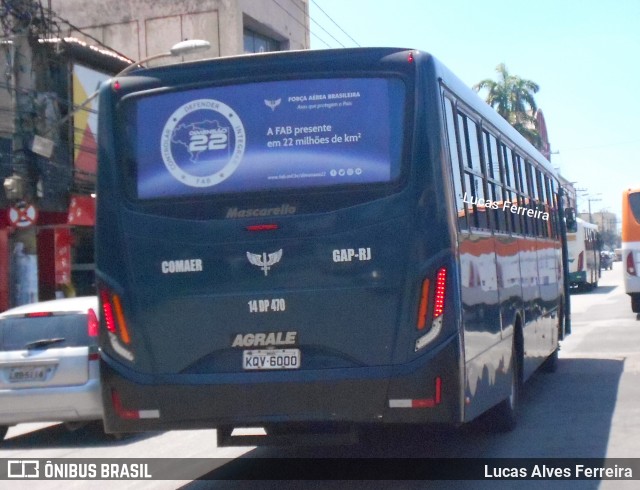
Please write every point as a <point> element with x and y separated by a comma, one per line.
<point>203,143</point>
<point>265,261</point>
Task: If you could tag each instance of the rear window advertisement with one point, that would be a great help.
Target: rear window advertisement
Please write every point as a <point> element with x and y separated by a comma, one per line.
<point>266,136</point>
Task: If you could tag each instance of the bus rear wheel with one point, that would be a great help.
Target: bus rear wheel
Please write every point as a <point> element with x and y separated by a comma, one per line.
<point>503,417</point>
<point>635,303</point>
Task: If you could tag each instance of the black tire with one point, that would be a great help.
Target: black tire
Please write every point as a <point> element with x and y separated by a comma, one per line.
<point>635,303</point>
<point>550,365</point>
<point>3,431</point>
<point>503,417</point>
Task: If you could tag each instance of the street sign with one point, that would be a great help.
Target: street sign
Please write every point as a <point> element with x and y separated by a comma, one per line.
<point>23,215</point>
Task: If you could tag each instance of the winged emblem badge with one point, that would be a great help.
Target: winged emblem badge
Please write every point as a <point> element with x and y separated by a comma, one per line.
<point>272,104</point>
<point>265,261</point>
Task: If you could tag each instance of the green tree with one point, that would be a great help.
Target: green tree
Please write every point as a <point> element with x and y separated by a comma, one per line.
<point>512,97</point>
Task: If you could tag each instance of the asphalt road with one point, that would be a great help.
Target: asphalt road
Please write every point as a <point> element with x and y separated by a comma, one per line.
<point>589,408</point>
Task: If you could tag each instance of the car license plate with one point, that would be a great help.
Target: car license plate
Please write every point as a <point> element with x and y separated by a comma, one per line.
<point>28,373</point>
<point>271,359</point>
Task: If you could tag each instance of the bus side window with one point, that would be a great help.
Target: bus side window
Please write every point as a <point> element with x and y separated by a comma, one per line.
<point>552,199</point>
<point>519,184</point>
<point>473,139</point>
<point>454,154</point>
<point>532,191</point>
<point>546,206</point>
<point>492,161</point>
<point>467,135</point>
<point>509,192</point>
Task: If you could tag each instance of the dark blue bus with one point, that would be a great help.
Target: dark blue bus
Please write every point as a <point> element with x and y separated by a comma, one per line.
<point>320,240</point>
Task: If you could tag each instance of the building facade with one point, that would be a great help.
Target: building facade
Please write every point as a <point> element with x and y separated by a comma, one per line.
<point>54,60</point>
<point>142,28</point>
<point>607,227</point>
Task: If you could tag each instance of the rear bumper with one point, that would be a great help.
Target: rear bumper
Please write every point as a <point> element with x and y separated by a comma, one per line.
<point>577,278</point>
<point>58,404</point>
<point>356,395</point>
<point>631,284</point>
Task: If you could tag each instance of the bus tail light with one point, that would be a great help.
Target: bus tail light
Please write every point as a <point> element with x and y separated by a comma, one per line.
<point>441,289</point>
<point>631,266</point>
<point>580,261</point>
<point>424,305</point>
<point>129,414</point>
<point>114,320</point>
<point>438,308</point>
<point>114,316</point>
<point>107,311</point>
<point>420,402</point>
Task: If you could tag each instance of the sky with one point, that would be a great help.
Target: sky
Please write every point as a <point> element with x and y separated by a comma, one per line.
<point>584,55</point>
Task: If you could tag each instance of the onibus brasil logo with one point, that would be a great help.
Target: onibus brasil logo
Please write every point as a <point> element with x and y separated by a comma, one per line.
<point>202,143</point>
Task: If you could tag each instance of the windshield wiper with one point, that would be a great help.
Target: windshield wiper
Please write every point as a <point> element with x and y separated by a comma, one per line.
<point>39,344</point>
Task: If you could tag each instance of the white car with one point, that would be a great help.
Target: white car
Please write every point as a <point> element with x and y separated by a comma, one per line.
<point>49,363</point>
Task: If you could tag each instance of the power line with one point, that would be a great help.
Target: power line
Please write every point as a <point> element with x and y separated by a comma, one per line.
<point>306,28</point>
<point>334,22</point>
<point>320,26</point>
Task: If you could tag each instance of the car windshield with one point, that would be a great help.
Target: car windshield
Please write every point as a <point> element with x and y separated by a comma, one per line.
<point>68,330</point>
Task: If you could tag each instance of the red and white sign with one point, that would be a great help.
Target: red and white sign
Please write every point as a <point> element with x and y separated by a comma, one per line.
<point>62,243</point>
<point>23,215</point>
<point>82,211</point>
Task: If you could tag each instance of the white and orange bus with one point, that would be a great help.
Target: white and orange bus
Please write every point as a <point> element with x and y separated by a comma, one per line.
<point>584,255</point>
<point>631,245</point>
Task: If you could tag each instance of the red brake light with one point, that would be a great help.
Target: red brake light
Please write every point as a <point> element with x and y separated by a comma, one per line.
<point>92,323</point>
<point>122,412</point>
<point>631,266</point>
<point>38,314</point>
<point>438,300</point>
<point>441,289</point>
<point>580,261</point>
<point>107,310</point>
<point>114,317</point>
<point>267,227</point>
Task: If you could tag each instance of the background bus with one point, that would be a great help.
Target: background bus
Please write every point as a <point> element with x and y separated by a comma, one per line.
<point>631,245</point>
<point>319,240</point>
<point>584,255</point>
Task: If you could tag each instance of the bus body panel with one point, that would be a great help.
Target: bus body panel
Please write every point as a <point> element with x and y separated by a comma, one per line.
<point>584,256</point>
<point>505,280</point>
<point>361,395</point>
<point>508,281</point>
<point>341,294</point>
<point>199,292</point>
<point>631,245</point>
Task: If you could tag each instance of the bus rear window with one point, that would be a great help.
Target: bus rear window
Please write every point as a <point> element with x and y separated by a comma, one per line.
<point>293,134</point>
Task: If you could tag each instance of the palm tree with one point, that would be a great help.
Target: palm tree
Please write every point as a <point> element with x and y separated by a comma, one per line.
<point>512,97</point>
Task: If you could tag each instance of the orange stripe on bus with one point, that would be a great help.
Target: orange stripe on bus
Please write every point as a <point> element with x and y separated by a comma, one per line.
<point>630,227</point>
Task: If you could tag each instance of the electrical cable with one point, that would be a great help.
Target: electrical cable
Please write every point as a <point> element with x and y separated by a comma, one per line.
<point>334,22</point>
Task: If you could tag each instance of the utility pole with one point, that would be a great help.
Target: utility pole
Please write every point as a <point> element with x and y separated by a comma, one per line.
<point>589,200</point>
